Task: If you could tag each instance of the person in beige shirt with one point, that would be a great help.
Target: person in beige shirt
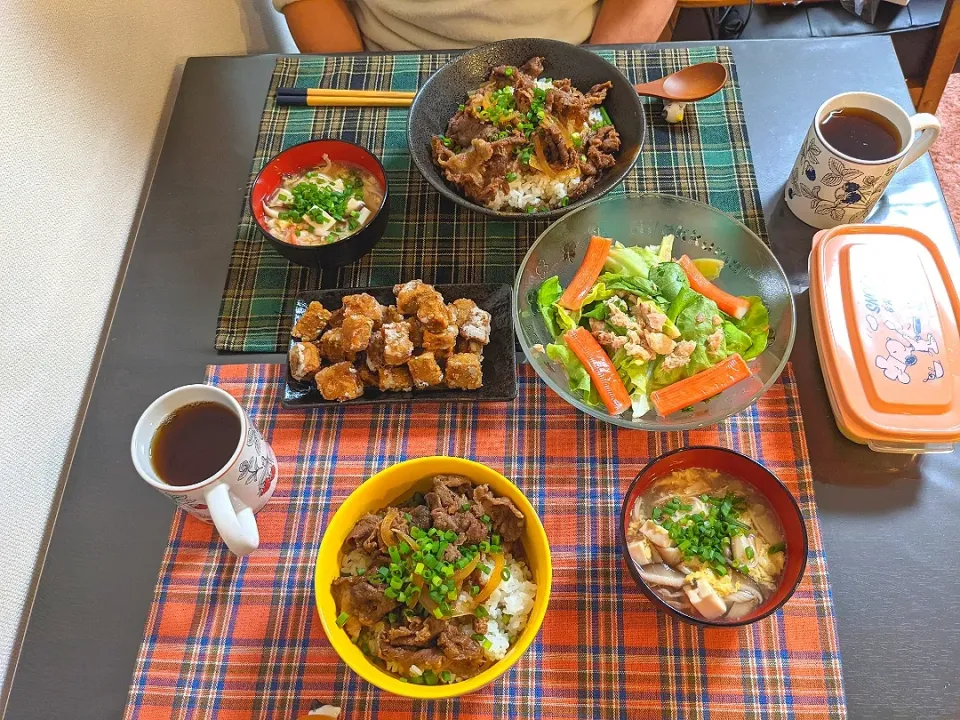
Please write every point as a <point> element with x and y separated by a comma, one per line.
<point>328,26</point>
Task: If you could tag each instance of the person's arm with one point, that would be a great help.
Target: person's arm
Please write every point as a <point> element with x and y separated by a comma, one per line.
<point>631,21</point>
<point>322,26</point>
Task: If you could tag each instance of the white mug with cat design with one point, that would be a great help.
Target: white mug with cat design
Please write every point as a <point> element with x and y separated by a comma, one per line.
<point>229,497</point>
<point>857,142</point>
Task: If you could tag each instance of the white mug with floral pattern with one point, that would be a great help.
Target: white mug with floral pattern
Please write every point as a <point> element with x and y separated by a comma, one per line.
<point>230,498</point>
<point>827,188</point>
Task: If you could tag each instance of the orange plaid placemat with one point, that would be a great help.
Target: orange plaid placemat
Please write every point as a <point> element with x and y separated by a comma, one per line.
<point>240,639</point>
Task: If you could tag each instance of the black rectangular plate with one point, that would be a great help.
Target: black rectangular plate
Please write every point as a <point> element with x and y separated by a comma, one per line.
<point>499,359</point>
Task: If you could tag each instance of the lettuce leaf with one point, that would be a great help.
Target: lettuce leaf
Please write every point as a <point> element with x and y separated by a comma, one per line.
<point>614,282</point>
<point>737,340</point>
<point>756,324</point>
<point>548,294</point>
<point>566,319</point>
<point>633,261</point>
<point>577,374</point>
<point>670,279</point>
<point>635,374</point>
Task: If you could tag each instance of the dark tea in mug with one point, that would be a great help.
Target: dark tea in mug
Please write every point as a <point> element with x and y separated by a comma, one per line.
<point>861,134</point>
<point>194,442</point>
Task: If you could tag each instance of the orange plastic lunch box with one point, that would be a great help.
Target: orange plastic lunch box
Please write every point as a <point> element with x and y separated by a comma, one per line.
<point>885,315</point>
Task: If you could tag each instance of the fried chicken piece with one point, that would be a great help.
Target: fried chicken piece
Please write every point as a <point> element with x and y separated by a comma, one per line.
<point>312,323</point>
<point>356,331</point>
<point>368,377</point>
<point>464,371</point>
<point>336,320</point>
<point>408,295</point>
<point>416,331</point>
<point>425,371</point>
<point>363,304</point>
<point>340,382</point>
<point>445,340</point>
<point>391,314</point>
<point>332,348</point>
<point>418,298</point>
<point>469,346</point>
<point>303,360</point>
<point>397,347</point>
<point>374,356</point>
<point>461,309</point>
<point>395,378</point>
<point>432,311</point>
<point>476,326</point>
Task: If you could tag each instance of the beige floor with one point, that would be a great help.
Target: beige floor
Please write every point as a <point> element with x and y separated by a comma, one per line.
<point>86,83</point>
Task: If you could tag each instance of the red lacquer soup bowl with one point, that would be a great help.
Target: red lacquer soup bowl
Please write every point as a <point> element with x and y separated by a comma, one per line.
<point>306,156</point>
<point>749,472</point>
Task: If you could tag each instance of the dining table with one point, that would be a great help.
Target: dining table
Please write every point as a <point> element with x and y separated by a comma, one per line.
<point>890,522</point>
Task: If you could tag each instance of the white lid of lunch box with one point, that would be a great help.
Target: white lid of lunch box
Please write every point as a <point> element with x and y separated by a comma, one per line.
<point>885,315</point>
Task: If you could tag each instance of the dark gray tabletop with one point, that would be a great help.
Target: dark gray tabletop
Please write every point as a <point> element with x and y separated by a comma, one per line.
<point>890,523</point>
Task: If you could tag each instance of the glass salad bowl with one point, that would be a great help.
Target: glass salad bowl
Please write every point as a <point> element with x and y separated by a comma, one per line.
<point>700,231</point>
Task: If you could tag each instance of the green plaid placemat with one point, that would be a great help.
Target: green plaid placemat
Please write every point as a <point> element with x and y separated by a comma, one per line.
<point>706,157</point>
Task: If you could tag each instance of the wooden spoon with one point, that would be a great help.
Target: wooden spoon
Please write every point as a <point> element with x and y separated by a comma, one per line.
<point>688,85</point>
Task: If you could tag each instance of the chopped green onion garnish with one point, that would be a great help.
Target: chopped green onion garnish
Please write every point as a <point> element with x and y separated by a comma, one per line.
<point>446,676</point>
<point>361,571</point>
<point>511,176</point>
<point>465,507</point>
<point>505,573</point>
<point>481,612</point>
<point>779,547</point>
<point>342,619</point>
<point>508,72</point>
<point>749,553</point>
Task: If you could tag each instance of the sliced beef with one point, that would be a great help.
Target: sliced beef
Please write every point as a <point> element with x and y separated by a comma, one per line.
<point>451,554</point>
<point>360,599</point>
<point>429,658</point>
<point>453,491</point>
<point>416,633</point>
<point>585,185</point>
<point>464,655</point>
<point>532,67</point>
<point>598,93</point>
<point>469,528</point>
<point>569,106</point>
<point>507,520</point>
<point>606,139</point>
<point>479,625</point>
<point>464,169</point>
<point>464,127</point>
<point>557,150</point>
<point>420,517</point>
<point>364,533</point>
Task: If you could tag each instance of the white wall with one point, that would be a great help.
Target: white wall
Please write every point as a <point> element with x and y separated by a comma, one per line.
<point>86,85</point>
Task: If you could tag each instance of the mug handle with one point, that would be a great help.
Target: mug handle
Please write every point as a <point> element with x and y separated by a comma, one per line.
<point>237,528</point>
<point>929,128</point>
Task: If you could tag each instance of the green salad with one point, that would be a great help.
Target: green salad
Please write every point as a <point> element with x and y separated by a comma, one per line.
<point>658,321</point>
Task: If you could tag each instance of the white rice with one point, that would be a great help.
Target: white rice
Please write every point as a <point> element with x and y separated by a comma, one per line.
<point>533,190</point>
<point>509,608</point>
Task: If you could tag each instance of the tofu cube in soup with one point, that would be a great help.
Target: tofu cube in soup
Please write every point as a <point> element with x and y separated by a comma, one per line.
<point>312,323</point>
<point>340,382</point>
<point>425,371</point>
<point>397,346</point>
<point>363,304</point>
<point>356,331</point>
<point>303,360</point>
<point>396,379</point>
<point>464,371</point>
